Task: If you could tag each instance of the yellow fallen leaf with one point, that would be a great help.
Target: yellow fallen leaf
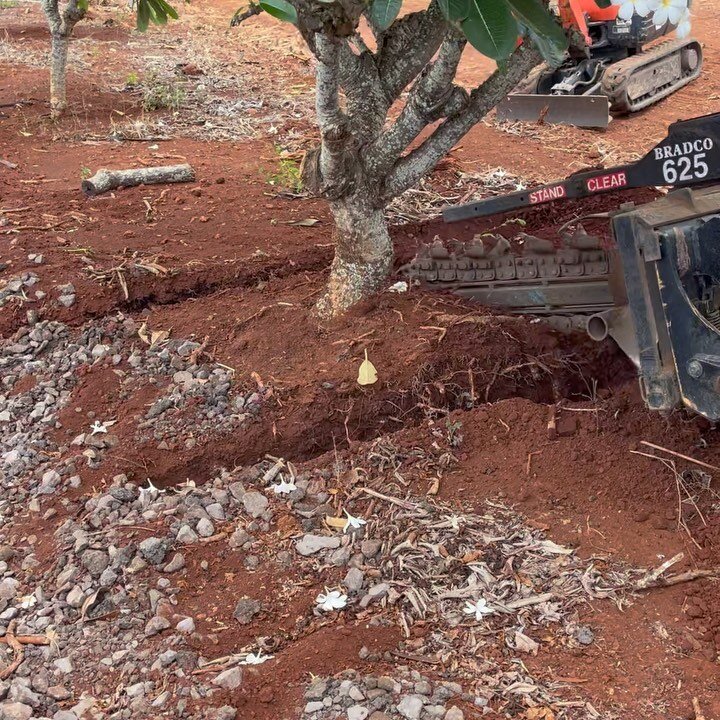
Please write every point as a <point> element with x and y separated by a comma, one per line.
<point>540,713</point>
<point>335,522</point>
<point>159,336</point>
<point>434,488</point>
<point>367,374</point>
<point>143,333</point>
<point>307,222</point>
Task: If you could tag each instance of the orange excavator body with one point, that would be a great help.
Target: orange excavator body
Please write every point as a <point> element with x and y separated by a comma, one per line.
<point>576,13</point>
<point>619,70</point>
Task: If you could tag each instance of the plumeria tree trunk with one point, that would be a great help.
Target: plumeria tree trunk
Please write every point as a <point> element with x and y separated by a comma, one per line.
<point>61,22</point>
<point>362,162</point>
<point>363,253</point>
<point>364,159</point>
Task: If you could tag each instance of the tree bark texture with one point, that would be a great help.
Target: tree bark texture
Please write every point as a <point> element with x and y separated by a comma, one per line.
<point>61,23</point>
<point>363,254</point>
<point>363,161</point>
<point>58,73</point>
<point>105,180</point>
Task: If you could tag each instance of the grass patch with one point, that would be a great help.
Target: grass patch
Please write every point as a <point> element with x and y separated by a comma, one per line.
<point>159,94</point>
<point>287,176</point>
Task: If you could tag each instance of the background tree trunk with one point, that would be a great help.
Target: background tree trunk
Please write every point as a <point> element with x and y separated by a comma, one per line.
<point>58,73</point>
<point>363,253</point>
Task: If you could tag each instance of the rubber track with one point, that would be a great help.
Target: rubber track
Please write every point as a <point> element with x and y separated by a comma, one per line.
<point>617,75</point>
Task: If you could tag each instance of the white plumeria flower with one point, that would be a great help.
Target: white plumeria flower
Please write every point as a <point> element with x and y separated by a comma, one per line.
<point>28,601</point>
<point>284,488</point>
<point>479,609</point>
<point>256,659</point>
<point>353,522</point>
<point>669,10</point>
<point>331,600</point>
<point>684,25</point>
<point>628,8</point>
<point>98,427</point>
<point>148,494</point>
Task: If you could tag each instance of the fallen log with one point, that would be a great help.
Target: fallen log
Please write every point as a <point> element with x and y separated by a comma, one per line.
<point>105,180</point>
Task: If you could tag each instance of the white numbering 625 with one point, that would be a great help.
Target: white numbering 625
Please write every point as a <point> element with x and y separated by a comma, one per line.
<point>685,169</point>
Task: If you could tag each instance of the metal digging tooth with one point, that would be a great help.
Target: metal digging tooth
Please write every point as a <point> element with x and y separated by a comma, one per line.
<point>476,248</point>
<point>580,240</point>
<point>438,251</point>
<point>533,245</point>
<point>502,247</point>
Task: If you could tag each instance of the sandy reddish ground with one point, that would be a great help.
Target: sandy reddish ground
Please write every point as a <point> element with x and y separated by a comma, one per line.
<point>240,274</point>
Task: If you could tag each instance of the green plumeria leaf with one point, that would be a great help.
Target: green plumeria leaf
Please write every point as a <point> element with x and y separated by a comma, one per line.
<point>491,28</point>
<point>384,12</point>
<point>455,11</point>
<point>540,21</point>
<point>280,9</point>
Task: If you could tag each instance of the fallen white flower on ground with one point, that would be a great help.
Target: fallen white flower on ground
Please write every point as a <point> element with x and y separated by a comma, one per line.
<point>479,609</point>
<point>148,494</point>
<point>28,601</point>
<point>353,522</point>
<point>256,659</point>
<point>284,487</point>
<point>331,600</point>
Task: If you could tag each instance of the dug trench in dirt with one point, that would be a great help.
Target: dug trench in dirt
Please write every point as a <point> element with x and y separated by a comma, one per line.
<point>167,600</point>
<point>221,571</point>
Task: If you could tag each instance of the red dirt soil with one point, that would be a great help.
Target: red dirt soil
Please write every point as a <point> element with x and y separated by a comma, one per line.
<point>238,272</point>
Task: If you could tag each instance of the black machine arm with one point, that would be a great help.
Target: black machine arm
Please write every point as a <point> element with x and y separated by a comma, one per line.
<point>689,155</point>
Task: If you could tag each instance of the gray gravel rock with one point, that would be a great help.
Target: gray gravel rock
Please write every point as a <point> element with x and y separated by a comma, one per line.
<point>20,692</point>
<point>154,549</point>
<point>354,580</point>
<point>455,713</point>
<point>311,544</point>
<point>15,711</point>
<point>584,635</point>
<point>222,713</point>
<point>370,548</point>
<point>246,609</point>
<point>156,625</point>
<point>58,692</point>
<point>215,511</point>
<point>177,563</point>
<point>8,589</point>
<point>186,535</point>
<point>63,665</point>
<point>411,706</point>
<point>95,561</point>
<point>64,715</point>
<point>239,538</point>
<point>205,528</point>
<point>186,625</point>
<point>255,503</point>
<point>317,689</point>
<point>375,593</point>
<point>229,679</point>
<point>357,712</point>
<point>76,597</point>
